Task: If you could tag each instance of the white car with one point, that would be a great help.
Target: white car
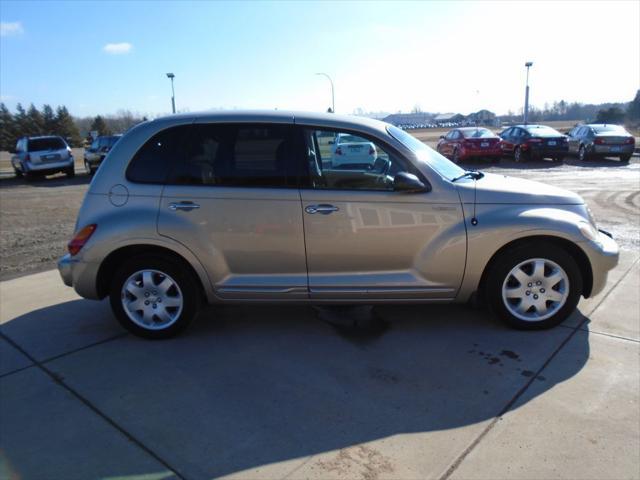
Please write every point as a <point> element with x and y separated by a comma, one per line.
<point>352,150</point>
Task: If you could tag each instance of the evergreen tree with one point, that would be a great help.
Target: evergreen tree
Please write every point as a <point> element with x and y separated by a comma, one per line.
<point>7,129</point>
<point>633,110</point>
<point>100,126</point>
<point>35,122</point>
<point>49,120</point>
<point>20,122</point>
<point>66,127</point>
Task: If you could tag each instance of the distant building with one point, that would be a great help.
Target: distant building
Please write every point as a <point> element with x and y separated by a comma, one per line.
<point>409,118</point>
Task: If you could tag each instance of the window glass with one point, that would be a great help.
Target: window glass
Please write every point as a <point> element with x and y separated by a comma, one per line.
<point>357,165</point>
<point>152,162</point>
<point>609,128</point>
<point>543,131</point>
<point>506,133</point>
<point>478,133</point>
<point>426,154</point>
<point>49,143</point>
<point>449,135</point>
<point>235,155</point>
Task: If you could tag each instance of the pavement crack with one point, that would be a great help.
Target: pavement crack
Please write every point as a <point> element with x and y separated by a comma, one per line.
<point>85,401</point>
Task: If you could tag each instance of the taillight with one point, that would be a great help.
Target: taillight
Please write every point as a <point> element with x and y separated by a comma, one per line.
<point>630,141</point>
<point>80,238</point>
<point>371,150</point>
<point>599,141</point>
<point>339,151</point>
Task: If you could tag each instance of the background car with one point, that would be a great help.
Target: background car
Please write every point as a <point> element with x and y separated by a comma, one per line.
<point>470,142</point>
<point>601,140</point>
<point>34,156</point>
<point>534,142</point>
<point>354,151</point>
<point>95,154</point>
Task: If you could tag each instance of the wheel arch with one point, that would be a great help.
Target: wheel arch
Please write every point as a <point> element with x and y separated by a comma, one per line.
<point>112,261</point>
<point>581,258</point>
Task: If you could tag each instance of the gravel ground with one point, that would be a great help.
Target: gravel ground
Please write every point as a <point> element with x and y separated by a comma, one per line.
<point>37,219</point>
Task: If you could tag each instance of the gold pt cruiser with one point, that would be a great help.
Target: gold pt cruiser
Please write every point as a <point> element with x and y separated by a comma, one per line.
<point>267,207</point>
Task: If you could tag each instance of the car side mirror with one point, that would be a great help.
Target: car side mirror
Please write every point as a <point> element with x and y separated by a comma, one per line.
<point>441,137</point>
<point>408,183</point>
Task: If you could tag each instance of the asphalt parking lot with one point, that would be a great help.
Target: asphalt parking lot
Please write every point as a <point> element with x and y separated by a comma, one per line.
<point>257,392</point>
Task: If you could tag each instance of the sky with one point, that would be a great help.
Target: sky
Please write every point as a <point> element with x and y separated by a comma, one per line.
<point>456,56</point>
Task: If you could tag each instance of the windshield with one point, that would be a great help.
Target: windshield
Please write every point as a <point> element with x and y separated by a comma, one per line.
<point>426,154</point>
<point>478,133</point>
<point>543,131</point>
<point>51,143</point>
<point>609,128</point>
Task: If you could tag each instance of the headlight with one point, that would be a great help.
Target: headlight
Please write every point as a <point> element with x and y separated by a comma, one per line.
<point>589,231</point>
<point>592,218</point>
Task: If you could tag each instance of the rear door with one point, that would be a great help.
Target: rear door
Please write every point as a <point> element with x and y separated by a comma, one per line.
<point>232,200</point>
<point>366,241</point>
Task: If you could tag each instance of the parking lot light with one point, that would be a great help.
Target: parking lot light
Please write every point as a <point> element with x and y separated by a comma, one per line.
<point>526,94</point>
<point>333,100</point>
<point>171,76</point>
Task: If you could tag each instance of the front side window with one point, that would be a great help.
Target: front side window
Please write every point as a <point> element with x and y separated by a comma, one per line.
<point>342,161</point>
<point>235,155</point>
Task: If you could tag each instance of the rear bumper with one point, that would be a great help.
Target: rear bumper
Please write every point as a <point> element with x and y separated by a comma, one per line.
<point>613,150</point>
<point>80,275</point>
<point>480,152</point>
<point>549,151</point>
<point>43,167</point>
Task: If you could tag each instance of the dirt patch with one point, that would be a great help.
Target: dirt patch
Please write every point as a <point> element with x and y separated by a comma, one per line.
<point>360,461</point>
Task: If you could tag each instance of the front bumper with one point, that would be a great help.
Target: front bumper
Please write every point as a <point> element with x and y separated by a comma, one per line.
<point>603,256</point>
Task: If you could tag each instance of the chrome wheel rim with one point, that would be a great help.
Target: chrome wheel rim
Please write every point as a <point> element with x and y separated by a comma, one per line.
<point>516,155</point>
<point>535,289</point>
<point>581,154</point>
<point>152,299</point>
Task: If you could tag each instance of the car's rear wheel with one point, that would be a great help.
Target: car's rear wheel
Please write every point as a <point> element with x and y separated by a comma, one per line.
<point>625,158</point>
<point>534,286</point>
<point>154,297</point>
<point>18,172</point>
<point>583,155</point>
<point>70,172</point>
<point>456,156</point>
<point>518,156</point>
<point>87,167</point>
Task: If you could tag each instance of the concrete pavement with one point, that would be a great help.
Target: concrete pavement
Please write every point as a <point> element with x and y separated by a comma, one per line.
<point>271,392</point>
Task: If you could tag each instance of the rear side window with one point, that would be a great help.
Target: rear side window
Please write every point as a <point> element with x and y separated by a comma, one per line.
<point>153,161</point>
<point>236,155</point>
<point>52,143</point>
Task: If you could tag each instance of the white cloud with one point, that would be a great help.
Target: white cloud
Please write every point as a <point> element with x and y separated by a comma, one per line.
<point>117,48</point>
<point>10,28</point>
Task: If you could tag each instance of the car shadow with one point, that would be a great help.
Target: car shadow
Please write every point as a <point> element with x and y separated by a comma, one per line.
<point>248,386</point>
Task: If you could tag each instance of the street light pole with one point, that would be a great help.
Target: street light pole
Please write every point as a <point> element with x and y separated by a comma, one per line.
<point>333,99</point>
<point>526,94</point>
<point>173,93</point>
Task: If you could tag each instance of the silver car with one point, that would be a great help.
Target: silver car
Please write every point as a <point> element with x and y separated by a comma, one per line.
<point>38,156</point>
<point>238,207</point>
<point>601,140</point>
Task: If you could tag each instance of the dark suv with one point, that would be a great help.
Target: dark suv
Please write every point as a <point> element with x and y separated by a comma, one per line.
<point>95,154</point>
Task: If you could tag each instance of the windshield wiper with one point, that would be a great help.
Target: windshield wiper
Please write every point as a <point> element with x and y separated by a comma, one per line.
<point>476,175</point>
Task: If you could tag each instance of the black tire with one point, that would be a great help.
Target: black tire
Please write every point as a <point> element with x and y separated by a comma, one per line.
<point>583,154</point>
<point>88,168</point>
<point>625,158</point>
<point>189,287</point>
<point>70,172</point>
<point>518,156</point>
<point>18,173</point>
<point>501,267</point>
<point>558,159</point>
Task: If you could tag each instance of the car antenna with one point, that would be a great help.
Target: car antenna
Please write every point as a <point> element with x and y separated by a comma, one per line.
<point>474,219</point>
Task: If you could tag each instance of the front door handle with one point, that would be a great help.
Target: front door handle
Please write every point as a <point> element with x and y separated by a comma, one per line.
<point>323,208</point>
<point>186,206</point>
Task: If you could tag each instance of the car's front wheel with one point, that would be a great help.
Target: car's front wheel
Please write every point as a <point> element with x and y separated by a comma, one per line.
<point>534,286</point>
<point>625,158</point>
<point>583,155</point>
<point>87,167</point>
<point>518,156</point>
<point>154,297</point>
<point>70,172</point>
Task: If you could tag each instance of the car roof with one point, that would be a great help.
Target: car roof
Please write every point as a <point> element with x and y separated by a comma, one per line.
<point>603,125</point>
<point>277,116</point>
<point>468,129</point>
<point>39,137</point>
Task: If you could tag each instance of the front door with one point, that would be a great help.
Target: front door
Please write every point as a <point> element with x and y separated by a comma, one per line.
<point>366,241</point>
<point>232,201</point>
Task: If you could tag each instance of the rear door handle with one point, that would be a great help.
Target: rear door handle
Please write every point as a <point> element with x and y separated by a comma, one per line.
<point>186,206</point>
<point>323,208</point>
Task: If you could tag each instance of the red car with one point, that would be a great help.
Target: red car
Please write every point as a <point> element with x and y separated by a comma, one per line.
<point>470,142</point>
